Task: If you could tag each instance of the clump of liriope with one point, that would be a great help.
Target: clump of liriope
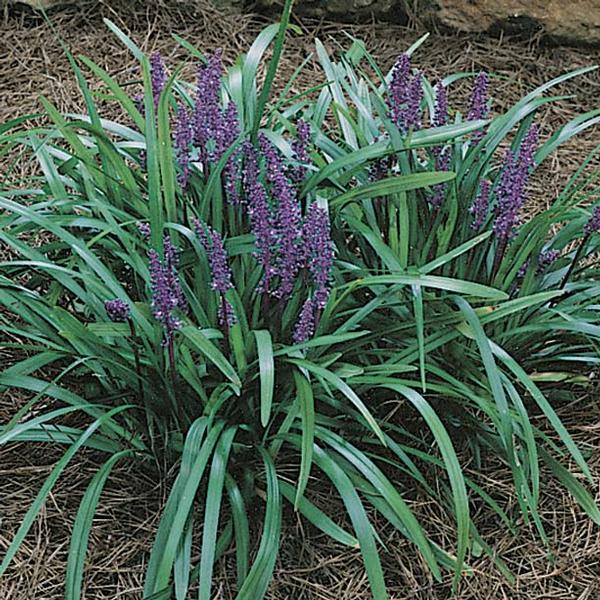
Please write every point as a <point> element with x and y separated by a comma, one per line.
<point>240,278</point>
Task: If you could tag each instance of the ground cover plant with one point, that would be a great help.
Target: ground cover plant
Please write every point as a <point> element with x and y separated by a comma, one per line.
<point>223,287</point>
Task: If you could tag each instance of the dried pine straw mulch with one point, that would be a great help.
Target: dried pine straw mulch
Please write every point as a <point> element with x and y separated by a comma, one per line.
<point>309,567</point>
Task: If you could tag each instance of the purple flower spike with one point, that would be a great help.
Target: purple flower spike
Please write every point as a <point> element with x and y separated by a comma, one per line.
<point>546,259</point>
<point>166,294</point>
<point>593,225</point>
<point>158,77</point>
<point>523,270</point>
<point>440,115</point>
<point>213,245</point>
<point>305,326</point>
<point>398,87</point>
<point>319,252</point>
<point>511,192</point>
<point>300,148</point>
<point>207,113</point>
<point>479,208</point>
<point>411,115</point>
<point>260,214</point>
<point>183,142</point>
<point>478,106</point>
<point>144,229</point>
<point>228,132</point>
<point>288,220</point>
<point>117,310</point>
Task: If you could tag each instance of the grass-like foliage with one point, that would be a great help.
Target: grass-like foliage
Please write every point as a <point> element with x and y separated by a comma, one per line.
<point>272,290</point>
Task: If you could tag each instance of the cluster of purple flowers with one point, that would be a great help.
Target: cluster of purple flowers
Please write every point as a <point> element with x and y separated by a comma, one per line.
<point>479,208</point>
<point>546,259</point>
<point>593,225</point>
<point>215,129</point>
<point>478,106</point>
<point>319,254</point>
<point>287,221</point>
<point>511,190</point>
<point>117,310</point>
<point>405,95</point>
<point>305,326</point>
<point>167,295</point>
<point>183,143</point>
<point>212,242</point>
<point>442,154</point>
<point>286,242</point>
<point>158,76</point>
<point>300,147</point>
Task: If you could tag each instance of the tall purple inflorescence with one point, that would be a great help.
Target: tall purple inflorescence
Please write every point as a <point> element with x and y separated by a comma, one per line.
<point>287,222</point>
<point>260,215</point>
<point>318,252</point>
<point>213,245</point>
<point>183,143</point>
<point>593,225</point>
<point>158,77</point>
<point>440,114</point>
<point>117,310</point>
<point>300,147</point>
<point>478,106</point>
<point>229,130</point>
<point>305,326</point>
<point>167,295</point>
<point>480,207</point>
<point>405,95</point>
<point>398,87</point>
<point>207,112</point>
<point>511,191</point>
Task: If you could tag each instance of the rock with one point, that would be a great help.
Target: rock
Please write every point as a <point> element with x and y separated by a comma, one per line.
<point>573,20</point>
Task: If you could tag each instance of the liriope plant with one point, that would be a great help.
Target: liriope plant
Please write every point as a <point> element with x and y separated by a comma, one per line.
<point>469,229</point>
<point>220,280</point>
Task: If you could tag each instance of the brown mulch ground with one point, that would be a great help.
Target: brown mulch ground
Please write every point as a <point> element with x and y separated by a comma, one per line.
<point>32,63</point>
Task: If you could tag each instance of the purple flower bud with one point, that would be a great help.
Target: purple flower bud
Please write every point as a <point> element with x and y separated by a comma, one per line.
<point>144,229</point>
<point>479,208</point>
<point>523,270</point>
<point>546,259</point>
<point>305,326</point>
<point>229,130</point>
<point>411,115</point>
<point>207,112</point>
<point>300,148</point>
<point>478,106</point>
<point>442,163</point>
<point>288,220</point>
<point>511,191</point>
<point>212,243</point>
<point>117,310</point>
<point>397,95</point>
<point>593,225</point>
<point>261,219</point>
<point>319,252</point>
<point>183,143</point>
<point>440,115</point>
<point>158,77</point>
<point>166,293</point>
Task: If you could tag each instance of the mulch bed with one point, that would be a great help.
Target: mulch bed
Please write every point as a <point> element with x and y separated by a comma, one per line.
<point>32,63</point>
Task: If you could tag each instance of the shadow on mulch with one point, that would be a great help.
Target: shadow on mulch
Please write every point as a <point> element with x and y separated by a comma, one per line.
<point>309,567</point>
